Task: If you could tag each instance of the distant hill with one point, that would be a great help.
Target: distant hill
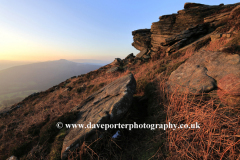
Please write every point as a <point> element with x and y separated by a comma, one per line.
<point>4,64</point>
<point>23,80</point>
<point>92,61</point>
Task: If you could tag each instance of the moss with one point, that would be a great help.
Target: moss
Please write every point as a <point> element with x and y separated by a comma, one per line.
<point>49,131</point>
<point>51,137</point>
<point>55,153</point>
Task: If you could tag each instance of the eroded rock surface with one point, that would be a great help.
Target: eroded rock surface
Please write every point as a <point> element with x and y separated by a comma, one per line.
<point>230,84</point>
<point>108,105</point>
<point>205,70</point>
<point>142,39</point>
<point>179,29</point>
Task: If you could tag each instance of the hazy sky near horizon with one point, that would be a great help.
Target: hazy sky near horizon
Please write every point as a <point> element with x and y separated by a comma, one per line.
<point>43,30</point>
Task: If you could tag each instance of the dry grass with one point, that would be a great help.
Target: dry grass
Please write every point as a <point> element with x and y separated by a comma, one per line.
<point>218,136</point>
<point>217,44</point>
<point>49,106</point>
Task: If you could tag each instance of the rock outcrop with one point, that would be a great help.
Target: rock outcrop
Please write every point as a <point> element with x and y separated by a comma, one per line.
<point>108,105</point>
<point>113,69</point>
<point>141,39</point>
<point>171,26</point>
<point>175,31</point>
<point>206,70</point>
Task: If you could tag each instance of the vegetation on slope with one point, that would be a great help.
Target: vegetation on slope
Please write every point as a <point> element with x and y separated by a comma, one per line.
<point>29,132</point>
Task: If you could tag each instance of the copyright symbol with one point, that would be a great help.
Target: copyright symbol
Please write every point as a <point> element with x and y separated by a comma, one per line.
<point>59,125</point>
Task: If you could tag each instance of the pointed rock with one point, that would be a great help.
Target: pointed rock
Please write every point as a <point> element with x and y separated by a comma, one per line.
<point>107,105</point>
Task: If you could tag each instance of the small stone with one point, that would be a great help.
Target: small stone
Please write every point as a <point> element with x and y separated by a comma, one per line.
<point>216,36</point>
<point>12,158</point>
<point>226,35</point>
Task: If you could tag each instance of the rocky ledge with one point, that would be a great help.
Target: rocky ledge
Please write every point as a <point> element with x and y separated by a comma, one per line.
<point>177,30</point>
<point>106,106</point>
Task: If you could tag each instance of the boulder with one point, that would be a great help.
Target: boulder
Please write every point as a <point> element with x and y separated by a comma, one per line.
<point>117,61</point>
<point>216,36</point>
<point>130,56</point>
<point>191,78</point>
<point>129,59</point>
<point>230,84</point>
<point>107,105</point>
<point>205,70</point>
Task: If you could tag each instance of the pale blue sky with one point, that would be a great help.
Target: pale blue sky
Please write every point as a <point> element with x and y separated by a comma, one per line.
<point>40,30</point>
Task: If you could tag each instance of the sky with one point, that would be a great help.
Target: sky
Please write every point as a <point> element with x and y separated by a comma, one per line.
<point>42,30</point>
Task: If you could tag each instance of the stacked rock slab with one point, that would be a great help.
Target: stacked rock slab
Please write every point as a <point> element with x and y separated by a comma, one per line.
<point>106,106</point>
<point>170,25</point>
<point>142,41</point>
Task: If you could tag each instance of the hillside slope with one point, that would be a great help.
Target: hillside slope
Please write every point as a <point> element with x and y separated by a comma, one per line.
<point>166,69</point>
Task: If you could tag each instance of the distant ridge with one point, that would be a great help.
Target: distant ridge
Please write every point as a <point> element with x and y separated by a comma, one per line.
<point>19,81</point>
<point>91,61</point>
